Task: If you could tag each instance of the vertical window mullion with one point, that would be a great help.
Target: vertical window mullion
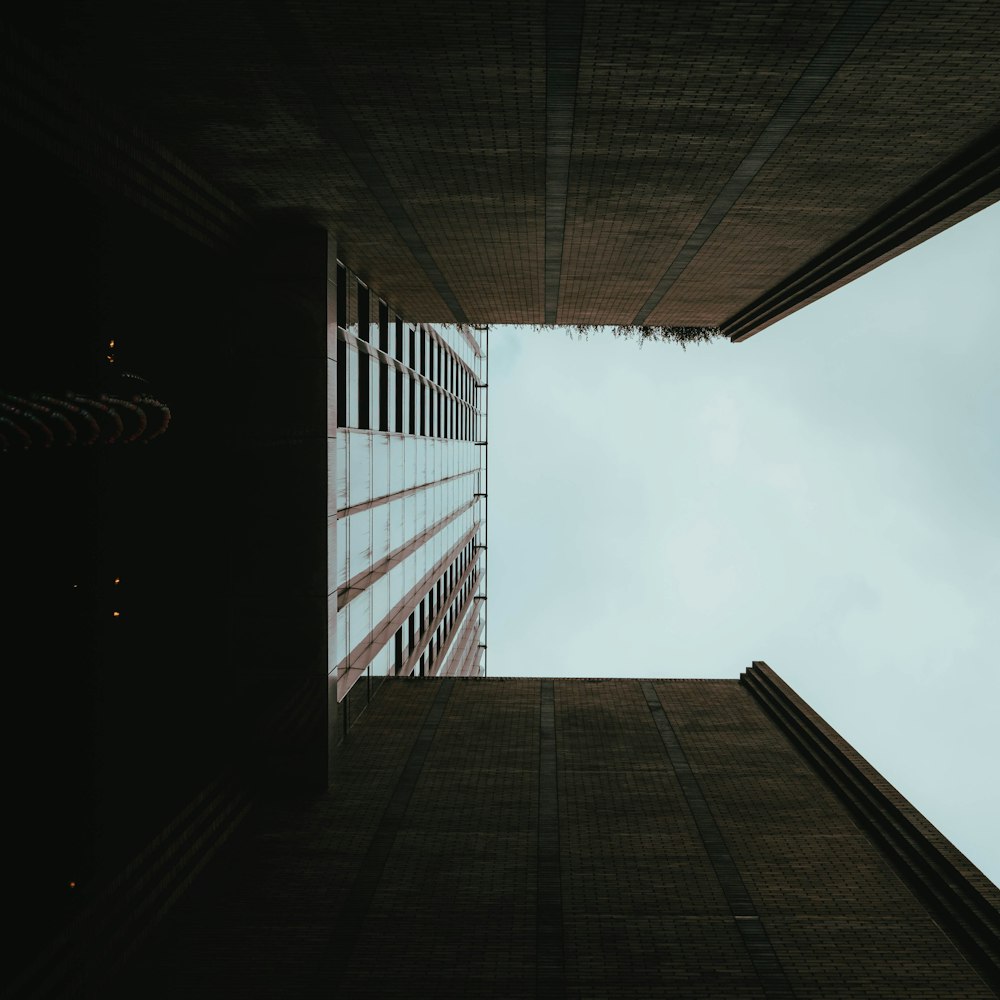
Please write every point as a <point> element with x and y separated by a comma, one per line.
<point>364,367</point>
<point>341,383</point>
<point>383,326</point>
<point>383,395</point>
<point>341,296</point>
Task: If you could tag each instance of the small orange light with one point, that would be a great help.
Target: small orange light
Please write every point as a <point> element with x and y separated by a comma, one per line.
<point>111,343</point>
<point>118,579</point>
<point>117,614</point>
<point>72,885</point>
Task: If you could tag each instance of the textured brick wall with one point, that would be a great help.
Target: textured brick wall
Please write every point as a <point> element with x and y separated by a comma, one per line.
<point>424,136</point>
<point>641,902</point>
<point>840,920</point>
<point>428,868</point>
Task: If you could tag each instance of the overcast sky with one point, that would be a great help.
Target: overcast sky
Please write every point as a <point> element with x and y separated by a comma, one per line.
<point>823,497</point>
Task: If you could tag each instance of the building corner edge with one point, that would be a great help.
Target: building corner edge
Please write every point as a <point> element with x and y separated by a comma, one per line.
<point>959,897</point>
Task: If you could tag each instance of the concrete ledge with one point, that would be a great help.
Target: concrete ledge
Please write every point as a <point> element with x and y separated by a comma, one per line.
<point>942,198</point>
<point>935,872</point>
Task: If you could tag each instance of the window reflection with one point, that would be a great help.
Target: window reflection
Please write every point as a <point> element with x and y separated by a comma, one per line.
<point>403,512</point>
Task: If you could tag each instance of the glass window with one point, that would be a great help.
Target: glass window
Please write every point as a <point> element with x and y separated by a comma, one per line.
<point>332,553</point>
<point>420,516</point>
<point>396,538</point>
<point>383,326</point>
<point>397,651</point>
<point>359,542</point>
<point>409,573</point>
<point>380,465</point>
<point>351,394</point>
<point>364,311</point>
<point>352,304</point>
<point>360,621</point>
<point>340,466</point>
<point>360,466</point>
<point>410,516</point>
<point>341,295</point>
<point>410,454</point>
<point>383,396</point>
<point>398,403</point>
<point>380,600</point>
<point>380,532</point>
<point>396,470</point>
<point>341,383</point>
<point>420,472</point>
<point>381,663</point>
<point>396,591</point>
<point>342,552</point>
<point>342,632</point>
<point>364,390</point>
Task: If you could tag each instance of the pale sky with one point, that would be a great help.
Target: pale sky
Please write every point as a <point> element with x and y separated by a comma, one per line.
<point>823,497</point>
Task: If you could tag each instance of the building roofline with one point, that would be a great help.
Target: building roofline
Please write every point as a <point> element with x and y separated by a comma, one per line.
<point>960,897</point>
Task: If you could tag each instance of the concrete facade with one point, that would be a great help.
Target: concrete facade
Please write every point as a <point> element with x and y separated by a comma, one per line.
<point>619,838</point>
<point>599,162</point>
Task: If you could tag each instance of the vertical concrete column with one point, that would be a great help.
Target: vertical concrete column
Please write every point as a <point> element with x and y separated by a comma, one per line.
<point>279,618</point>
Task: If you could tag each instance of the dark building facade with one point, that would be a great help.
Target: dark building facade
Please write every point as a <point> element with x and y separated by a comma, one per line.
<point>618,838</point>
<point>595,162</point>
<point>183,182</point>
